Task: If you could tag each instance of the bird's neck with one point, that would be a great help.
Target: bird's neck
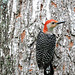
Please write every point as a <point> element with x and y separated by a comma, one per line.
<point>49,32</point>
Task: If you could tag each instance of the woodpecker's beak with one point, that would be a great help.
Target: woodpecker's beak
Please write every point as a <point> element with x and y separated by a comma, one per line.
<point>60,22</point>
<point>57,23</point>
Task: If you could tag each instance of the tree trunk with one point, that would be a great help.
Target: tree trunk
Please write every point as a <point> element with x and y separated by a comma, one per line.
<point>20,23</point>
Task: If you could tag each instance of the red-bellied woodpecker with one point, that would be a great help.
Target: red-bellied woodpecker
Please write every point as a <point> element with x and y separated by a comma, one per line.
<point>45,46</point>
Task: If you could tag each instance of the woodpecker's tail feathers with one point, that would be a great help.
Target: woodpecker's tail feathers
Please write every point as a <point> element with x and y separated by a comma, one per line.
<point>49,70</point>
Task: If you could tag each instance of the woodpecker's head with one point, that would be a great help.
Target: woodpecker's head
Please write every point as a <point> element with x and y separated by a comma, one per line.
<point>50,25</point>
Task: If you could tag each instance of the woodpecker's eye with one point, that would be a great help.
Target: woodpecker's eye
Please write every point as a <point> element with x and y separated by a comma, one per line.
<point>53,22</point>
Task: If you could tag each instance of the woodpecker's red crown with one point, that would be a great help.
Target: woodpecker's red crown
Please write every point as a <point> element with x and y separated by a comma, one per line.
<point>47,22</point>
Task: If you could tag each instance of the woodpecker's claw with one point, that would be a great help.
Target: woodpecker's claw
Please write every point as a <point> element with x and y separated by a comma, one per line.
<point>60,22</point>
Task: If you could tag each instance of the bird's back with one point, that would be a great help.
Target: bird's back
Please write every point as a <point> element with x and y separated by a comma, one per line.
<point>45,46</point>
